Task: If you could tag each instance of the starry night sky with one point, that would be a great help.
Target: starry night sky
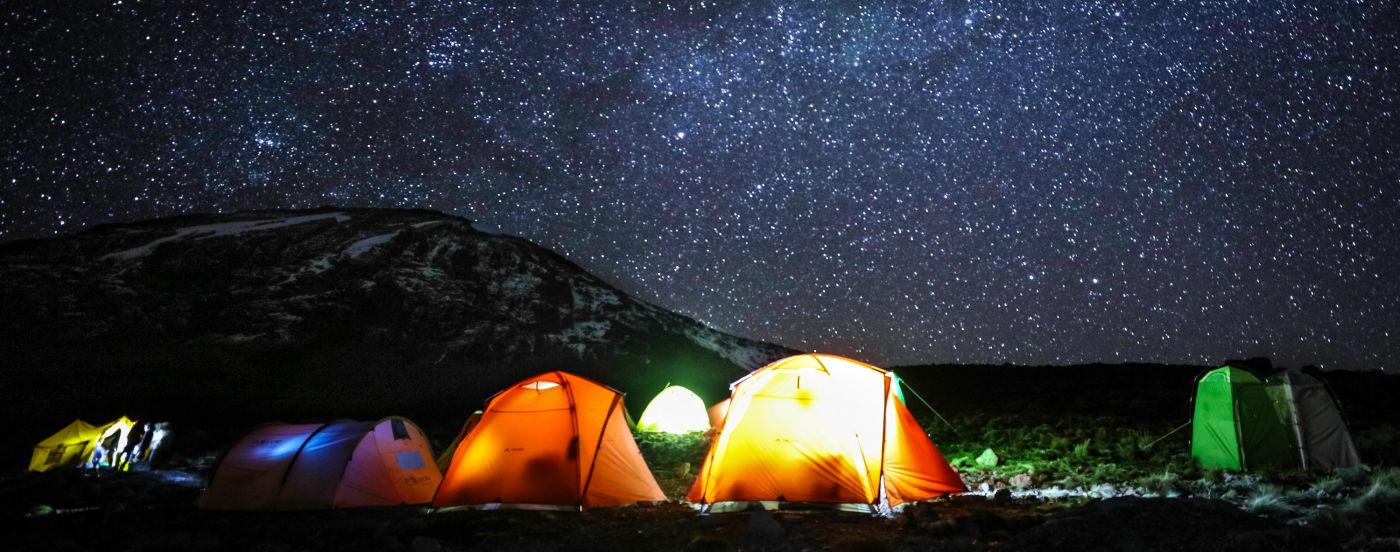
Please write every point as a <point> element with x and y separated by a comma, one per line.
<point>904,183</point>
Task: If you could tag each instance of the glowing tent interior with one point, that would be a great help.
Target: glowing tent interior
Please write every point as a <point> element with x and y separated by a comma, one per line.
<point>83,445</point>
<point>821,429</point>
<point>555,441</point>
<point>674,410</point>
<point>1289,419</point>
<point>321,466</point>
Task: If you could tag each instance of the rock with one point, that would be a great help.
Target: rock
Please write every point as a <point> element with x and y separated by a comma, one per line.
<point>206,543</point>
<point>178,541</point>
<point>763,527</point>
<point>988,459</point>
<point>707,544</point>
<point>1284,539</point>
<point>422,543</point>
<point>1021,481</point>
<point>918,515</point>
<point>971,528</point>
<point>1103,490</point>
<point>1002,496</point>
<point>861,544</point>
<point>63,544</point>
<point>386,542</point>
<point>1160,525</point>
<point>941,527</point>
<point>413,525</point>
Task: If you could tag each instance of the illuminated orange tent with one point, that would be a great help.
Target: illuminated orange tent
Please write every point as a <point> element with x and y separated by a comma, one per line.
<point>320,466</point>
<point>824,429</point>
<point>555,440</point>
<point>717,412</point>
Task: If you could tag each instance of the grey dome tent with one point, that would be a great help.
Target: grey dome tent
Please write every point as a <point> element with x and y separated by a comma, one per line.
<point>1319,430</point>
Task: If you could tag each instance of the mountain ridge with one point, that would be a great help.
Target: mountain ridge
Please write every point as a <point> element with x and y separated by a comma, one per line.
<point>303,312</point>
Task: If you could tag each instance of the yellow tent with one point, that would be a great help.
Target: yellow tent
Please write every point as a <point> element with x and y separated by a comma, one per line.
<point>674,410</point>
<point>821,428</point>
<point>76,445</point>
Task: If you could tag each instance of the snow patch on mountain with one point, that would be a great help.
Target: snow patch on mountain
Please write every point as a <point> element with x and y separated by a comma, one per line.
<point>592,298</point>
<point>586,331</point>
<point>519,285</point>
<point>363,246</point>
<point>233,228</point>
<point>748,357</point>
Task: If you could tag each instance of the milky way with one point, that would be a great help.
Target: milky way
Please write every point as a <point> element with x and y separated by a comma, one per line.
<point>941,182</point>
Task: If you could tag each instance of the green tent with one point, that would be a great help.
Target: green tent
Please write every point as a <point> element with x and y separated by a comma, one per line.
<point>1288,420</point>
<point>1236,424</point>
<point>674,410</point>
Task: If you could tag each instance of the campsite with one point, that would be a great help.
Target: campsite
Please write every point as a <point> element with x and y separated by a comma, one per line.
<point>1071,471</point>
<point>678,275</point>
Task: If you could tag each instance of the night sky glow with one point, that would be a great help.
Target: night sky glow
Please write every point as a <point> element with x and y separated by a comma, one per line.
<point>933,182</point>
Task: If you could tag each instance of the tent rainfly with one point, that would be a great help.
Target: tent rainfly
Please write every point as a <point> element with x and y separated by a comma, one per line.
<point>1287,420</point>
<point>83,445</point>
<point>821,429</point>
<point>674,410</point>
<point>322,466</point>
<point>553,441</point>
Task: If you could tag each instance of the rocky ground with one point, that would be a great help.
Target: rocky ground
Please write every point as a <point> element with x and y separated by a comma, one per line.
<point>152,511</point>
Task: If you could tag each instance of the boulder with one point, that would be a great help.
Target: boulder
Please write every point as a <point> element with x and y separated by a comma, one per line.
<point>1163,524</point>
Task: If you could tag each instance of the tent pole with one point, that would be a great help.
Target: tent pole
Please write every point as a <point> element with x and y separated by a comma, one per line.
<point>1239,433</point>
<point>1293,416</point>
<point>930,407</point>
<point>578,447</point>
<point>884,498</point>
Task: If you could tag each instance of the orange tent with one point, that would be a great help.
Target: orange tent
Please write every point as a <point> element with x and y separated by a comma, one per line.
<point>717,412</point>
<point>320,466</point>
<point>821,428</point>
<point>554,440</point>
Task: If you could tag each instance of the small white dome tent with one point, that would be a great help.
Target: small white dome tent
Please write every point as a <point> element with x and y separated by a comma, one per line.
<point>674,410</point>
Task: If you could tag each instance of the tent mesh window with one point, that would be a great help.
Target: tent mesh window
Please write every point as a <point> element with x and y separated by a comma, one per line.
<point>400,431</point>
<point>409,460</point>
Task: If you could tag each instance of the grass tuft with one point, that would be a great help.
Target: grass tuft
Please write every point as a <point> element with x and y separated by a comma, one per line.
<point>1165,484</point>
<point>1327,487</point>
<point>1269,501</point>
<point>1380,504</point>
